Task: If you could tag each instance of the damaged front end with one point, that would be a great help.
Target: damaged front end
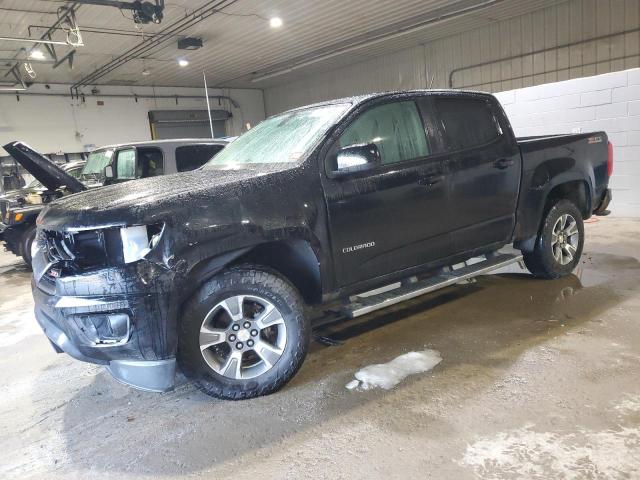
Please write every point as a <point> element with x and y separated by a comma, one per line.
<point>105,295</point>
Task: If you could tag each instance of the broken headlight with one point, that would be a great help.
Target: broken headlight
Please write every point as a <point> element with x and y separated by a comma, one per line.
<point>139,240</point>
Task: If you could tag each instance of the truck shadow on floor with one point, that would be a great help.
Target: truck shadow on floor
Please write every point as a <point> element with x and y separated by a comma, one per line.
<point>483,327</point>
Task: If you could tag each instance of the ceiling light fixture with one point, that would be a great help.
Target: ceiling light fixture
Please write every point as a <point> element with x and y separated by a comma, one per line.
<point>146,72</point>
<point>183,62</point>
<point>275,22</point>
<point>36,55</point>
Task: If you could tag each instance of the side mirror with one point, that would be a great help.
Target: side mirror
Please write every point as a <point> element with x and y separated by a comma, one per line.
<point>357,158</point>
<point>108,171</point>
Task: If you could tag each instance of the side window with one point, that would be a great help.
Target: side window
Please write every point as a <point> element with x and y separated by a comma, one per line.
<point>467,122</point>
<point>150,162</point>
<point>395,128</point>
<point>191,157</point>
<point>126,164</point>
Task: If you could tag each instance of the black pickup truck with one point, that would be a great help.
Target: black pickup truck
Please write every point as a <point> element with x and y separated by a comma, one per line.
<point>218,270</point>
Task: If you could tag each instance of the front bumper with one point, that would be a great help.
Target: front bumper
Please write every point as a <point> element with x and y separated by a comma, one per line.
<point>67,308</point>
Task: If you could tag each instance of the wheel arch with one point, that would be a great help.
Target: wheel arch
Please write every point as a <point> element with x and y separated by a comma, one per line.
<point>576,190</point>
<point>294,259</point>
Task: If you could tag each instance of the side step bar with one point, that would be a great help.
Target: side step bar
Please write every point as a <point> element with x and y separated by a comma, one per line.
<point>449,276</point>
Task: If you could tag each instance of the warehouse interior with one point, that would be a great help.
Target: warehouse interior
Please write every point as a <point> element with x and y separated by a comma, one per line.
<point>528,378</point>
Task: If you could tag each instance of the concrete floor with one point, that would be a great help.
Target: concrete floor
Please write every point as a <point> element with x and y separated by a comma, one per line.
<point>539,379</point>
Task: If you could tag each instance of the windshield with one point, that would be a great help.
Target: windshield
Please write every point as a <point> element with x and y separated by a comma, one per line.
<point>284,138</point>
<point>94,168</point>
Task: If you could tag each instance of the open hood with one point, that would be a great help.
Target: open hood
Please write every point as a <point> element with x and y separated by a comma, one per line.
<point>43,169</point>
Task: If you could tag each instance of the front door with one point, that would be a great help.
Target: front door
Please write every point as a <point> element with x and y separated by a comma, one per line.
<point>484,168</point>
<point>393,216</point>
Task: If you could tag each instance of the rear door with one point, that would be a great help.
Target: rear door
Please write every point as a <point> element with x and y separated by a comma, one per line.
<point>483,167</point>
<point>392,217</point>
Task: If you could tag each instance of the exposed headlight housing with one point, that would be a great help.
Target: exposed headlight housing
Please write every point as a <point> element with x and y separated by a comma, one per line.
<point>139,240</point>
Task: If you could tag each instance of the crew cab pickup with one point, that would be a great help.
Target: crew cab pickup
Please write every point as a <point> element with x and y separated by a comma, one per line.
<point>217,270</point>
<point>106,165</point>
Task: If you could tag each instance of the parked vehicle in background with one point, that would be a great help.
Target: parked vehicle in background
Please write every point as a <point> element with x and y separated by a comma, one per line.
<point>216,269</point>
<point>104,166</point>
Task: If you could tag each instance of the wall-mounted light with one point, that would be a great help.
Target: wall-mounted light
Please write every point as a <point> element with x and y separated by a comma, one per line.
<point>275,22</point>
<point>183,62</point>
<point>146,72</point>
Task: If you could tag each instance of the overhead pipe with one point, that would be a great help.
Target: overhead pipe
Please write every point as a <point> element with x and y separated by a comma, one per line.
<point>535,52</point>
<point>134,96</point>
<point>33,40</point>
<point>103,31</point>
<point>161,37</point>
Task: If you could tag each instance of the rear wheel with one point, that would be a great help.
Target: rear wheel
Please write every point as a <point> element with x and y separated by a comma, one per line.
<point>28,237</point>
<point>243,334</point>
<point>559,244</point>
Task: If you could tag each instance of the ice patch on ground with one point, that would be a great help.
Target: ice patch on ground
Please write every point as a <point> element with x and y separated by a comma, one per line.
<point>630,405</point>
<point>388,375</point>
<point>526,453</point>
<point>17,320</point>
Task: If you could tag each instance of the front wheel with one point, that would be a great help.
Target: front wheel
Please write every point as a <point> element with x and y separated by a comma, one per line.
<point>243,334</point>
<point>559,244</point>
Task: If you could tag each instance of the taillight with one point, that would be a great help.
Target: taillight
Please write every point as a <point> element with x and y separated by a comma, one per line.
<point>610,160</point>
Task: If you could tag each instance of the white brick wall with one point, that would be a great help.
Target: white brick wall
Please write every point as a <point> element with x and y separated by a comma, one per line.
<point>609,102</point>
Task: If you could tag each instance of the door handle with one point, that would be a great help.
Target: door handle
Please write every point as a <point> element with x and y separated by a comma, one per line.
<point>503,163</point>
<point>430,180</point>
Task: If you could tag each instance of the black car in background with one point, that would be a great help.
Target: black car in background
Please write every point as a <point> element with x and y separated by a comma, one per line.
<point>104,166</point>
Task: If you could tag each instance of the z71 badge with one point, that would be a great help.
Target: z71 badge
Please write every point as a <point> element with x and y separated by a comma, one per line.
<point>594,140</point>
<point>358,247</point>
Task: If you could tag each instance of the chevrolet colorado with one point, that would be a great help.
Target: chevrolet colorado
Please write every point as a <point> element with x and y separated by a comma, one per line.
<point>123,162</point>
<point>218,270</point>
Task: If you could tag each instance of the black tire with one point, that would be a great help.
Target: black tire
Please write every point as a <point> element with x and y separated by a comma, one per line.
<point>541,262</point>
<point>248,280</point>
<point>25,244</point>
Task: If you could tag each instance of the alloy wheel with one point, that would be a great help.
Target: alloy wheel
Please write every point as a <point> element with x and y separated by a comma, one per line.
<point>243,337</point>
<point>565,238</point>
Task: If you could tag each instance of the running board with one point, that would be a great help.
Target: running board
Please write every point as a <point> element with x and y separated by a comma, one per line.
<point>448,276</point>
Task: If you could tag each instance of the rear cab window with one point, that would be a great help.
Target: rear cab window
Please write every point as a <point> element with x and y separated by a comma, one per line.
<point>467,122</point>
<point>190,157</point>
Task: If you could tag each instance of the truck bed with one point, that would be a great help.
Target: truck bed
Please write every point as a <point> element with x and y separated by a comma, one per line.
<point>550,160</point>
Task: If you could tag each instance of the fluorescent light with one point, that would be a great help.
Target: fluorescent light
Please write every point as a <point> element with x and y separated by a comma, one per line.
<point>36,55</point>
<point>275,22</point>
<point>183,62</point>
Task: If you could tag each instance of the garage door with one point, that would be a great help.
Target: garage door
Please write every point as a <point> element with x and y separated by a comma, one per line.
<point>167,124</point>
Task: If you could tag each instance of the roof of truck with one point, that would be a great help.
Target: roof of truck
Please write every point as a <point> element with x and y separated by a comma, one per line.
<point>357,99</point>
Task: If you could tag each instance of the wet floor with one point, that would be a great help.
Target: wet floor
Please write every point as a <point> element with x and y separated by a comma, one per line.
<point>538,379</point>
